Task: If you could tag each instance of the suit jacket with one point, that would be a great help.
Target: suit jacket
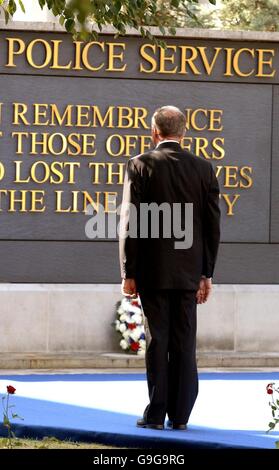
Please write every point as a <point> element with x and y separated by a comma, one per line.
<point>171,175</point>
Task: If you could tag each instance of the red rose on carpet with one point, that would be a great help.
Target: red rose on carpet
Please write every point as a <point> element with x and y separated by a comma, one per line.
<point>273,401</point>
<point>135,347</point>
<point>10,389</point>
<point>132,326</point>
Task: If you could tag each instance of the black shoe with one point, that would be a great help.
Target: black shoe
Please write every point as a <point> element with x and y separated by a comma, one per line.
<point>179,427</point>
<point>141,423</point>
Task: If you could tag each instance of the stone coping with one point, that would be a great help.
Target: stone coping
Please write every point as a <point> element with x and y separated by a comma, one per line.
<point>116,288</point>
<point>79,360</point>
<point>190,33</point>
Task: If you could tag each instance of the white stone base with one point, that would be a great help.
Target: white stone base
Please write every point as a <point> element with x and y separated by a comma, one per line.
<point>58,318</point>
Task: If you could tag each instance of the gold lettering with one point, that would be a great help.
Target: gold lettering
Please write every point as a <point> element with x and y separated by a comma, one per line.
<point>164,59</point>
<point>262,61</point>
<point>140,115</point>
<point>215,118</point>
<point>229,51</point>
<point>96,171</point>
<point>20,109</point>
<point>62,139</point>
<point>102,120</point>
<point>37,202</point>
<point>41,143</point>
<point>57,118</point>
<point>59,207</point>
<point>201,146</point>
<point>18,178</point>
<point>19,137</point>
<point>230,204</point>
<point>85,51</point>
<point>236,61</point>
<point>56,168</point>
<point>245,172</point>
<point>2,192</point>
<point>113,56</point>
<point>2,171</point>
<point>77,45</point>
<point>40,110</point>
<point>110,199</point>
<point>21,200</point>
<point>119,174</point>
<point>89,142</point>
<point>125,114</point>
<point>75,201</point>
<point>87,199</point>
<point>72,167</point>
<point>219,147</point>
<point>74,144</point>
<point>185,61</point>
<point>209,66</point>
<point>231,177</point>
<point>47,50</point>
<point>148,58</point>
<point>83,112</point>
<point>43,166</point>
<point>55,64</point>
<point>12,42</point>
<point>118,140</point>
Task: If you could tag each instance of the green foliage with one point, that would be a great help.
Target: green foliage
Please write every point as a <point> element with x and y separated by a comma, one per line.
<point>86,18</point>
<point>255,15</point>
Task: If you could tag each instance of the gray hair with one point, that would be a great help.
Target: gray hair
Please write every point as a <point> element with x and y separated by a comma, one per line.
<point>169,121</point>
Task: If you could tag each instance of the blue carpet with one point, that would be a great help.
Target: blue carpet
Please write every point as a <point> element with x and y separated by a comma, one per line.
<point>82,423</point>
<point>269,376</point>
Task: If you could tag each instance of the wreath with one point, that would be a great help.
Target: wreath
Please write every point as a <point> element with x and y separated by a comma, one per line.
<point>129,324</point>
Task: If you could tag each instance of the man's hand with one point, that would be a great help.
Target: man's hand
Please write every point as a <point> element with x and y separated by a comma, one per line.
<point>129,288</point>
<point>204,290</point>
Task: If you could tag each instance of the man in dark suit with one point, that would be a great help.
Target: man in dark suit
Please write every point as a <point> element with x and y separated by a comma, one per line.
<point>170,275</point>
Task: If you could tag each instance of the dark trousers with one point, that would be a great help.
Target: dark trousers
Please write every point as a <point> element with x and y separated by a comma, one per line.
<point>171,354</point>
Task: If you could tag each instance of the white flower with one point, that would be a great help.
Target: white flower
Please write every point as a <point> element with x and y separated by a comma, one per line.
<point>134,309</point>
<point>124,317</point>
<point>120,311</point>
<point>117,325</point>
<point>136,333</point>
<point>137,318</point>
<point>142,343</point>
<point>126,334</point>
<point>130,319</point>
<point>125,304</point>
<point>124,344</point>
<point>141,352</point>
<point>122,327</point>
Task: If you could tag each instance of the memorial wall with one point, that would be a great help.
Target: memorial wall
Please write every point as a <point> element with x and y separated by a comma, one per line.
<point>72,113</point>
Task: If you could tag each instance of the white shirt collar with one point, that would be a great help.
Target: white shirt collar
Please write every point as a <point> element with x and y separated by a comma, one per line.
<point>165,141</point>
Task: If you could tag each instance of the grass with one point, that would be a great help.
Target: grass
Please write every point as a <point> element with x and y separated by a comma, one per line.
<point>49,443</point>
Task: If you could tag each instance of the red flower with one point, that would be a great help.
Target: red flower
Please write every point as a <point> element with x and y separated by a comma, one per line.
<point>135,302</point>
<point>132,326</point>
<point>135,347</point>
<point>269,389</point>
<point>10,389</point>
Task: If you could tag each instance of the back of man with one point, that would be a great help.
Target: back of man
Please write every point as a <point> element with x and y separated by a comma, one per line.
<point>170,264</point>
<point>175,188</point>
